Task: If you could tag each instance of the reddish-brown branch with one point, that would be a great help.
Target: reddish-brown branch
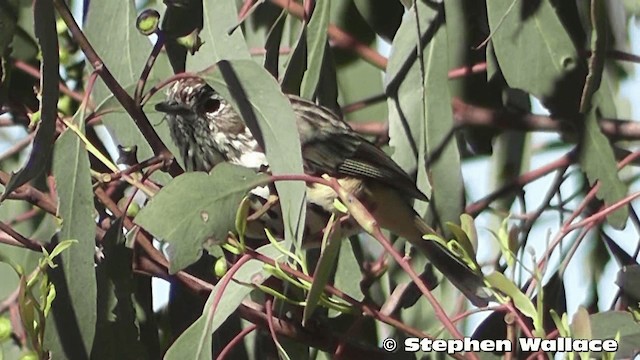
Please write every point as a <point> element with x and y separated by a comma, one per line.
<point>24,241</point>
<point>467,70</point>
<point>31,195</point>
<point>467,115</point>
<point>522,180</point>
<point>35,73</point>
<point>236,341</point>
<point>134,110</point>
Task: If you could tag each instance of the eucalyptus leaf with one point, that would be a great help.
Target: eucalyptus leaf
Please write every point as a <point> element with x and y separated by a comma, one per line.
<point>77,273</point>
<point>316,38</point>
<point>197,210</point>
<point>617,323</point>
<point>535,52</point>
<point>219,18</point>
<point>598,162</point>
<point>40,157</point>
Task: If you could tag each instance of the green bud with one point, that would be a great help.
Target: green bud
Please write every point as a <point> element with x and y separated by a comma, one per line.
<point>220,268</point>
<point>192,41</point>
<point>5,328</point>
<point>147,22</point>
<point>133,209</point>
<point>29,356</point>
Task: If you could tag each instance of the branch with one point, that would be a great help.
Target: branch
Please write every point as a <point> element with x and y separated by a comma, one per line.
<point>133,109</point>
<point>467,115</point>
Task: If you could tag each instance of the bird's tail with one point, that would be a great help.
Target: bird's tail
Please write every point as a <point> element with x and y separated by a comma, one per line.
<point>392,212</point>
<point>469,281</point>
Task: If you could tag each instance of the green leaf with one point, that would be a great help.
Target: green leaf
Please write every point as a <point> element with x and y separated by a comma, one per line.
<point>403,80</point>
<point>181,23</point>
<point>76,208</point>
<point>296,66</point>
<point>5,328</point>
<point>45,29</point>
<point>521,301</point>
<point>195,342</point>
<point>122,324</point>
<point>469,227</point>
<point>613,323</point>
<point>461,238</point>
<point>256,96</point>
<point>325,267</point>
<point>598,162</point>
<point>348,274</point>
<point>219,18</point>
<point>533,47</point>
<point>358,80</point>
<point>62,246</point>
<point>432,136</point>
<point>189,221</point>
<point>316,39</point>
<point>581,328</point>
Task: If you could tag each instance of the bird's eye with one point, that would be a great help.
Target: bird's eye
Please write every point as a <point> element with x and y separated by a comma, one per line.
<point>211,105</point>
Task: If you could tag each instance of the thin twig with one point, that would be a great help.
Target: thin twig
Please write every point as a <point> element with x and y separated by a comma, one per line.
<point>133,109</point>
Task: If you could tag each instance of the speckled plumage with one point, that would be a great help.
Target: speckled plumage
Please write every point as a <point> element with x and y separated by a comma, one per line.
<point>207,130</point>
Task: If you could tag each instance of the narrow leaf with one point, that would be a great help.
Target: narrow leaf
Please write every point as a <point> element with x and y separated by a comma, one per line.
<point>45,30</point>
<point>75,207</point>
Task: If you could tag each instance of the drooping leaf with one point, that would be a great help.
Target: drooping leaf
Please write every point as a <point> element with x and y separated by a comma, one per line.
<point>316,38</point>
<point>406,103</point>
<point>348,274</point>
<point>45,29</point>
<point>182,19</point>
<point>118,334</point>
<point>444,173</point>
<point>76,279</point>
<point>197,210</point>
<point>322,273</point>
<point>598,162</point>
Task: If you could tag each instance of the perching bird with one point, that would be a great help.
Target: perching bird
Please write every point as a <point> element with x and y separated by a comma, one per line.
<point>207,131</point>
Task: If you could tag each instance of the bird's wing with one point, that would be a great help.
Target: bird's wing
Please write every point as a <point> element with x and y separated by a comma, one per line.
<point>349,154</point>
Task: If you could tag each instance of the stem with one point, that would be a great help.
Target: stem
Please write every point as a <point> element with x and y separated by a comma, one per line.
<point>133,109</point>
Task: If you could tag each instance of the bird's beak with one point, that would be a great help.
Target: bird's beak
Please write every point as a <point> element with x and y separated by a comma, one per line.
<point>171,107</point>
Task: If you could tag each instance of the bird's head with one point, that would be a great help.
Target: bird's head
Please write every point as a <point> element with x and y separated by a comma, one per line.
<point>204,126</point>
<point>192,96</point>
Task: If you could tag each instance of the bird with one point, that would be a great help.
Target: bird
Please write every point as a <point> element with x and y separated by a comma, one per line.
<point>207,130</point>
